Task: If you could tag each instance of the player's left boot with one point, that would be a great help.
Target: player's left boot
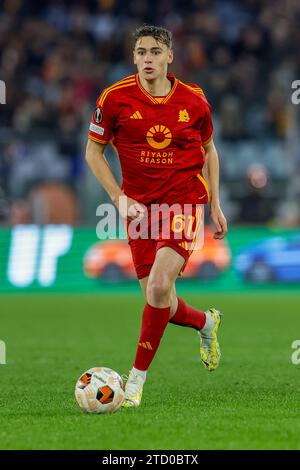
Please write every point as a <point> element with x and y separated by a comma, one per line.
<point>133,390</point>
<point>209,347</point>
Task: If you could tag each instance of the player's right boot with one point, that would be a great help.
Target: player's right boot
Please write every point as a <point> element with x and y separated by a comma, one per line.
<point>133,390</point>
<point>209,347</point>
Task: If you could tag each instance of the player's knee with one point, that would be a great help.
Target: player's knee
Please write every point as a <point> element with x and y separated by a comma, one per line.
<point>158,290</point>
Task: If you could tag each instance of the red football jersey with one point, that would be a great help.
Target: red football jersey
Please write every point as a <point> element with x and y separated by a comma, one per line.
<point>158,140</point>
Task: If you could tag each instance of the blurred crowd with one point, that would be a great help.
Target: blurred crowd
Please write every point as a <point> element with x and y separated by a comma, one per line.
<point>57,55</point>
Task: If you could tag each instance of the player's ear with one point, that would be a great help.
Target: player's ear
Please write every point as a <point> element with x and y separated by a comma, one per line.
<point>171,56</point>
<point>134,61</point>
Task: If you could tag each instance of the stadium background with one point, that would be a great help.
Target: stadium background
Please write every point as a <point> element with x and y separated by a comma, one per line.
<point>55,58</point>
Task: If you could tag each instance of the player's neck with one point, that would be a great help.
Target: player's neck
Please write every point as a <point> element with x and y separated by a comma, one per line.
<point>158,87</point>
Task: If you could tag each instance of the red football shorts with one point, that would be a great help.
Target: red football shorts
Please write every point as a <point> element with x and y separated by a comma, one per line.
<point>179,227</point>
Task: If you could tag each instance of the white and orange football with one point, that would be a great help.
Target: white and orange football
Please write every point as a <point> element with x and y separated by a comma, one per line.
<point>99,390</point>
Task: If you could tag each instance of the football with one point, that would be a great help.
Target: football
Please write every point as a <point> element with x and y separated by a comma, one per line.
<point>99,390</point>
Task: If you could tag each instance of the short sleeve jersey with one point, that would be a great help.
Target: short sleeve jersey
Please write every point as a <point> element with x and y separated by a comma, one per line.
<point>159,140</point>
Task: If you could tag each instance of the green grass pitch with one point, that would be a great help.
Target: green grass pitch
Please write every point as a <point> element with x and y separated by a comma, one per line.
<point>251,402</point>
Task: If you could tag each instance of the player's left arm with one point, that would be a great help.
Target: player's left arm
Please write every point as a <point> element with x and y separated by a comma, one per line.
<point>211,173</point>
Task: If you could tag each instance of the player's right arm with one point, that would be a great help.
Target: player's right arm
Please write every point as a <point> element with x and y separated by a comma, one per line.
<point>100,133</point>
<point>128,207</point>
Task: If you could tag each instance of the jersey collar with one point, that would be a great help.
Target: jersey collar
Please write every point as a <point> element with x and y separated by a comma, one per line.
<point>152,98</point>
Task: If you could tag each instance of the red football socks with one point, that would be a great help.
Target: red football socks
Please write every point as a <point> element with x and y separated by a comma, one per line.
<point>188,316</point>
<point>154,322</point>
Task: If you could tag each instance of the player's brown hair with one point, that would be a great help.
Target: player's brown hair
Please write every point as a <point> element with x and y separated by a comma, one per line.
<point>160,34</point>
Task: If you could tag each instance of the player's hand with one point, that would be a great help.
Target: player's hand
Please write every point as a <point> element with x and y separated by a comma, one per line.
<point>219,221</point>
<point>131,209</point>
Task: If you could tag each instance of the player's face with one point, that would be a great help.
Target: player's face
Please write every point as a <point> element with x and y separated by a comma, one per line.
<point>152,58</point>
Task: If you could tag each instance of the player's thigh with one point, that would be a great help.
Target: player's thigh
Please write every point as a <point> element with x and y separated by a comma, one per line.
<point>166,267</point>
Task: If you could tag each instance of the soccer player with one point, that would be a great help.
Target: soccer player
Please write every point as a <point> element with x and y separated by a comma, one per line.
<point>162,131</point>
